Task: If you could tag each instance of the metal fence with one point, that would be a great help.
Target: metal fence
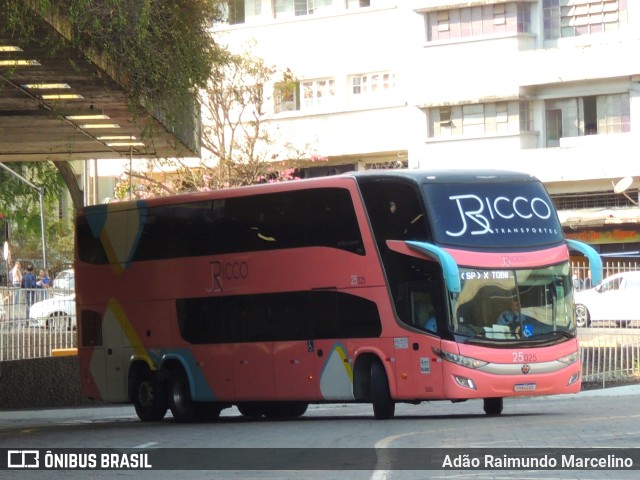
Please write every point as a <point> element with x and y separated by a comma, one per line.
<point>22,337</point>
<point>609,353</point>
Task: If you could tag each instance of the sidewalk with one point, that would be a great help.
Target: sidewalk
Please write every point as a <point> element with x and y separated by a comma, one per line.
<point>622,391</point>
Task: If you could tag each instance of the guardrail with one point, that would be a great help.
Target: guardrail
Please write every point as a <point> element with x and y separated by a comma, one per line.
<point>610,352</point>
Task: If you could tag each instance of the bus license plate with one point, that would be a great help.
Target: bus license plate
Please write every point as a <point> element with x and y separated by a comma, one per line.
<point>524,387</point>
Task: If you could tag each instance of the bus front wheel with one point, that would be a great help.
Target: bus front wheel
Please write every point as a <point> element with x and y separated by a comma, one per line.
<point>493,406</point>
<point>182,406</point>
<point>149,398</point>
<point>383,405</point>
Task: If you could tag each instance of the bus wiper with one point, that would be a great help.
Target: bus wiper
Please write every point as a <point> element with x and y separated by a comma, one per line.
<point>565,334</point>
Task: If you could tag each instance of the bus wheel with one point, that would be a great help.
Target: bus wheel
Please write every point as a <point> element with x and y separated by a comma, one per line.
<point>493,406</point>
<point>285,409</point>
<point>251,409</point>
<point>149,398</point>
<point>383,405</point>
<point>183,408</point>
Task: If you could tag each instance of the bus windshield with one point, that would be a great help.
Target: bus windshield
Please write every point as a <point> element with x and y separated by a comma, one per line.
<point>514,304</point>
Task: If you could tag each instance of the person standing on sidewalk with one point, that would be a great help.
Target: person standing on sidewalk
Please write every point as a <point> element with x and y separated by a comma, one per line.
<point>16,281</point>
<point>29,283</point>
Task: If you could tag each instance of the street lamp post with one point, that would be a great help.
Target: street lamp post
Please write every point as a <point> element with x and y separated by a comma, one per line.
<point>40,191</point>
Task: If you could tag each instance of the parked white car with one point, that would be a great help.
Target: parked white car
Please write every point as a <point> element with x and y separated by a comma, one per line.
<point>57,312</point>
<point>65,282</point>
<point>616,299</point>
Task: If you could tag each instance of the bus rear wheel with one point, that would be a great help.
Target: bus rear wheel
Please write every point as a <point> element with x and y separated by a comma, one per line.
<point>493,406</point>
<point>383,405</point>
<point>182,406</point>
<point>149,398</point>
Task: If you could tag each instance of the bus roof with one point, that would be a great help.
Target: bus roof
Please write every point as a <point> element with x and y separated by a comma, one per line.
<point>447,175</point>
<point>414,176</point>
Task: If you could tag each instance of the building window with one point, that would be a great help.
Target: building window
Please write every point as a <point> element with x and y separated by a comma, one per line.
<point>480,119</point>
<point>290,8</point>
<point>591,115</point>
<point>512,17</point>
<point>614,113</point>
<point>239,11</point>
<point>499,14</point>
<point>554,127</point>
<point>525,116</point>
<point>570,18</point>
<point>286,97</point>
<point>317,93</point>
<point>443,21</point>
<point>372,84</point>
<point>473,119</point>
<point>358,3</point>
<point>524,17</point>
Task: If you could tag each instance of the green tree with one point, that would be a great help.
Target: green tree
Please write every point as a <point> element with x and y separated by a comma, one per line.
<point>19,203</point>
<point>160,51</point>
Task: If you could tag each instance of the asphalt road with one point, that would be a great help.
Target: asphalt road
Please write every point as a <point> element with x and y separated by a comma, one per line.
<point>595,419</point>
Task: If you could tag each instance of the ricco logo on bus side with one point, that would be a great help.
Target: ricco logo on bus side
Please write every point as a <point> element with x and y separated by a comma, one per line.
<point>222,272</point>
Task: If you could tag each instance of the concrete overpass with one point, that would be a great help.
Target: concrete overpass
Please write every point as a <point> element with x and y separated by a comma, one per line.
<point>62,106</point>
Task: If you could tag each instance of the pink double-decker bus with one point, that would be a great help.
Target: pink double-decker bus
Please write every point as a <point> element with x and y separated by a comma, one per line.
<point>378,287</point>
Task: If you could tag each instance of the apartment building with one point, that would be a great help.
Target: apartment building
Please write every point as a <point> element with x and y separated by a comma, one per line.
<point>550,87</point>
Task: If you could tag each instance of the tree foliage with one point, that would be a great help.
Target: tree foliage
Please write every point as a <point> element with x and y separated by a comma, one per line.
<point>241,147</point>
<point>19,203</point>
<point>158,49</point>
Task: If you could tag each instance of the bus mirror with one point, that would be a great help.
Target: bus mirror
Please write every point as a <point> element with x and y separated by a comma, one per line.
<point>449,265</point>
<point>595,262</point>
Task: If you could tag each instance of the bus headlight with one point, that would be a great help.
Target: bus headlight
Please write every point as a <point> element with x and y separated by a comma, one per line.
<point>465,382</point>
<point>459,359</point>
<point>574,378</point>
<point>571,358</point>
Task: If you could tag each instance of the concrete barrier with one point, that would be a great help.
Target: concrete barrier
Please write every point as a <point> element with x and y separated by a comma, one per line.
<point>41,383</point>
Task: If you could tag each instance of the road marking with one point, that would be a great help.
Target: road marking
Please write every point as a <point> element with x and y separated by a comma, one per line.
<point>381,445</point>
<point>146,445</point>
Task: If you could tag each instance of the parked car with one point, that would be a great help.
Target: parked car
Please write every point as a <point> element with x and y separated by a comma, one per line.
<point>57,312</point>
<point>65,282</point>
<point>614,300</point>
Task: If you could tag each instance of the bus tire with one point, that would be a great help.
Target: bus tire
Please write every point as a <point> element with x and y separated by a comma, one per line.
<point>182,406</point>
<point>493,406</point>
<point>285,409</point>
<point>383,405</point>
<point>149,397</point>
<point>251,409</point>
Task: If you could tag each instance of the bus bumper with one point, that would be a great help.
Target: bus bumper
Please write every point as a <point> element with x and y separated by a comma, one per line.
<point>467,383</point>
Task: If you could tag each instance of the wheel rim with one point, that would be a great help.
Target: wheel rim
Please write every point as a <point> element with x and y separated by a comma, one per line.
<point>146,394</point>
<point>581,316</point>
